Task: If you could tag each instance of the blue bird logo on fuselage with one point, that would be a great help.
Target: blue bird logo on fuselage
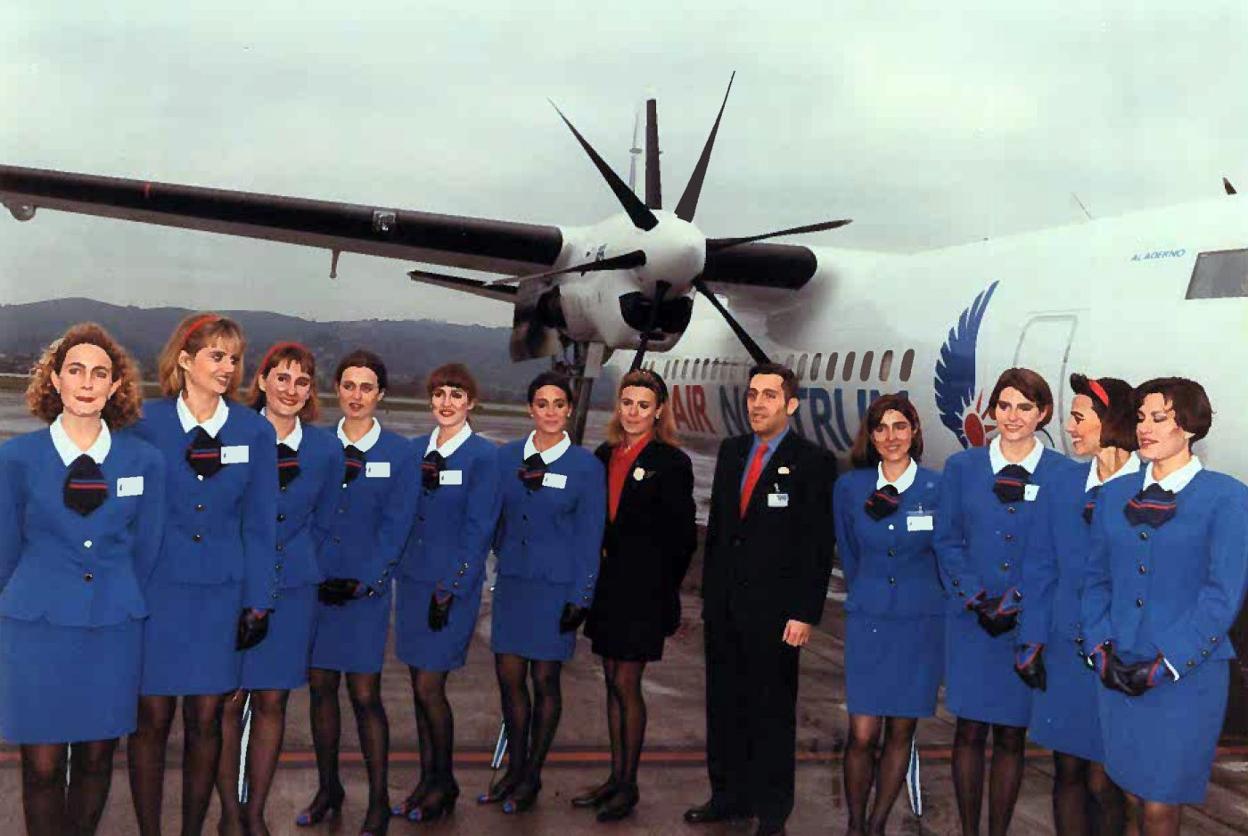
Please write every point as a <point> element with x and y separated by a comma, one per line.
<point>961,407</point>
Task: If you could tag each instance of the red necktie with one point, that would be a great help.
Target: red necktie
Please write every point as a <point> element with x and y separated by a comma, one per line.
<point>751,477</point>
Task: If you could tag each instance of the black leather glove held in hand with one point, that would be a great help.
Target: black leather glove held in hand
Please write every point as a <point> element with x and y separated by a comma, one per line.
<point>439,611</point>
<point>1029,665</point>
<point>253,626</point>
<point>572,618</point>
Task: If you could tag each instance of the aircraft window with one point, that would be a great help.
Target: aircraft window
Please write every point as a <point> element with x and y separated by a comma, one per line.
<point>886,365</point>
<point>848,370</point>
<point>667,368</point>
<point>814,366</point>
<point>788,362</point>
<point>706,368</point>
<point>830,374</point>
<point>684,372</point>
<point>907,363</point>
<point>867,360</point>
<point>1219,275</point>
<point>801,366</point>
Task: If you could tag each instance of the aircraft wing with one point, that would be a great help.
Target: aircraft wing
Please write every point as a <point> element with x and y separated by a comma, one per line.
<point>450,240</point>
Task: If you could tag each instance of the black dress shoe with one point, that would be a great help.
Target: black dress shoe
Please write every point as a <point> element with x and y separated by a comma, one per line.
<point>597,795</point>
<point>620,805</point>
<point>714,811</point>
<point>769,829</point>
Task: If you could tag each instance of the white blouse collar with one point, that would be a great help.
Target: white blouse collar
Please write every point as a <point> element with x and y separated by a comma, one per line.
<point>998,461</point>
<point>1131,465</point>
<point>1176,481</point>
<point>904,481</point>
<point>214,423</point>
<point>68,450</point>
<point>296,435</point>
<point>364,444</point>
<point>453,443</point>
<point>551,454</point>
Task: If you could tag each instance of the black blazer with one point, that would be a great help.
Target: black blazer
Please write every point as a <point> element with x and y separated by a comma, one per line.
<point>773,564</point>
<point>647,548</point>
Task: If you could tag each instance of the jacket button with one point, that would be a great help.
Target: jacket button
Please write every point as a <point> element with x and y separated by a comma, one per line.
<point>88,577</point>
<point>1009,509</point>
<point>281,518</point>
<point>197,537</point>
<point>282,489</point>
<point>1005,566</point>
<point>1143,569</point>
<point>277,566</point>
<point>892,552</point>
<point>199,506</point>
<point>281,547</point>
<point>1204,653</point>
<point>957,582</point>
<point>1139,602</point>
<point>1143,535</point>
<point>892,581</point>
<point>86,544</point>
<point>1213,639</point>
<point>337,540</point>
<point>524,541</point>
<point>342,510</point>
<point>274,596</point>
<point>1009,538</point>
<point>1190,663</point>
<point>200,477</point>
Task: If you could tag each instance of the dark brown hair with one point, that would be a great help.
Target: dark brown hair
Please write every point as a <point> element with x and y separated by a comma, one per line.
<point>121,410</point>
<point>864,453</point>
<point>550,379</point>
<point>455,375</point>
<point>195,332</point>
<point>788,380</point>
<point>365,359</point>
<point>278,354</point>
<point>1192,410</point>
<point>1117,416</point>
<point>664,425</point>
<point>1032,385</point>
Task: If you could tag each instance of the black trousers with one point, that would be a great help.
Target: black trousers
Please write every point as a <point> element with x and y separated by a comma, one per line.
<point>751,716</point>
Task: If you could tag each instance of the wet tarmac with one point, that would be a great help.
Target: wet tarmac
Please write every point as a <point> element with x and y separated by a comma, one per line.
<point>673,775</point>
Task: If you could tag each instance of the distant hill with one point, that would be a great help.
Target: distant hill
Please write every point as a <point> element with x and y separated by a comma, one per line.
<point>411,348</point>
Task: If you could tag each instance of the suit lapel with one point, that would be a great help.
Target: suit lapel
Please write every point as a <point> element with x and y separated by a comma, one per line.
<point>770,475</point>
<point>644,460</point>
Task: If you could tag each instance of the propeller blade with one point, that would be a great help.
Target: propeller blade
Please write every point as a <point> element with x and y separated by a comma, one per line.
<point>717,244</point>
<point>752,347</point>
<point>641,217</point>
<point>633,258</point>
<point>654,188</point>
<point>1227,186</point>
<point>693,190</point>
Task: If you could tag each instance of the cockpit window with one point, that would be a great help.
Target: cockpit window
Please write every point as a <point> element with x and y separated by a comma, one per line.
<point>1219,275</point>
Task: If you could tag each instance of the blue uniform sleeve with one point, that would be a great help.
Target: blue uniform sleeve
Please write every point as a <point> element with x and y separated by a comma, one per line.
<point>949,539</point>
<point>12,503</point>
<point>398,514</point>
<point>480,519</point>
<point>150,521</point>
<point>259,522</point>
<point>1097,583</point>
<point>843,509</point>
<point>586,545</point>
<point>1191,638</point>
<point>1040,571</point>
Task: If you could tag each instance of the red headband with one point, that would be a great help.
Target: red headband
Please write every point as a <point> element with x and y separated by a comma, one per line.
<point>268,355</point>
<point>1099,391</point>
<point>199,323</point>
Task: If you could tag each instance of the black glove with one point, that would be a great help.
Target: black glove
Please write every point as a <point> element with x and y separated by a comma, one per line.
<point>439,611</point>
<point>571,618</point>
<point>1029,665</point>
<point>999,615</point>
<point>337,591</point>
<point>253,626</point>
<point>1137,678</point>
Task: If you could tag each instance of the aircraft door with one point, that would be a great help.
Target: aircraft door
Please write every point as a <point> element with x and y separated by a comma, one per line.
<point>1044,347</point>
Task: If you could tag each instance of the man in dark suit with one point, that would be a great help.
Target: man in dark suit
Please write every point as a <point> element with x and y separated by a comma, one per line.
<point>765,573</point>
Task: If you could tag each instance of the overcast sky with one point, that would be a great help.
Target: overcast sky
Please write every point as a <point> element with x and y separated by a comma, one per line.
<point>926,128</point>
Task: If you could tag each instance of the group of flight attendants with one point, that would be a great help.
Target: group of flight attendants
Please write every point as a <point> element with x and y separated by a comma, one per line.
<point>228,552</point>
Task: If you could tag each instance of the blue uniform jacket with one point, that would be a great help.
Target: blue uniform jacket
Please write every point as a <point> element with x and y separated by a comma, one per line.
<point>1056,562</point>
<point>222,529</point>
<point>58,565</point>
<point>1173,590</point>
<point>310,496</point>
<point>366,522</point>
<point>980,541</point>
<point>453,525</point>
<point>553,534</point>
<point>889,570</point>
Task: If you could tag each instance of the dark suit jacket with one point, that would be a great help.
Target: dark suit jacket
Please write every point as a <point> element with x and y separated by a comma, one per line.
<point>648,546</point>
<point>773,564</point>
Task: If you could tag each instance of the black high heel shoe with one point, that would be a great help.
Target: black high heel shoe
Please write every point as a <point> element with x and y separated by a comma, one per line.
<point>500,790</point>
<point>597,795</point>
<point>620,805</point>
<point>443,804</point>
<point>378,829</point>
<point>325,806</point>
<point>404,808</point>
<point>523,797</point>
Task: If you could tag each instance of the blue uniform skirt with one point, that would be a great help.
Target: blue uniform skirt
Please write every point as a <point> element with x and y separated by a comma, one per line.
<point>893,666</point>
<point>525,620</point>
<point>980,683</point>
<point>1065,716</point>
<point>63,684</point>
<point>188,639</point>
<point>422,648</point>
<point>1160,746</point>
<point>352,638</point>
<point>280,662</point>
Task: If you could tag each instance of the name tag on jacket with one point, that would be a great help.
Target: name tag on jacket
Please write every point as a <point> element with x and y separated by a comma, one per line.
<point>376,470</point>
<point>130,486</point>
<point>919,522</point>
<point>1030,492</point>
<point>555,480</point>
<point>451,477</point>
<point>235,454</point>
<point>777,500</point>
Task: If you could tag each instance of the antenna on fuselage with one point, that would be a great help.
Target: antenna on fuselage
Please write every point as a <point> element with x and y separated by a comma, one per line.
<point>1083,208</point>
<point>634,152</point>
<point>1227,187</point>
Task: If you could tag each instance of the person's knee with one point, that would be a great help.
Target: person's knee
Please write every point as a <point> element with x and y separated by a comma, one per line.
<point>1009,740</point>
<point>202,722</point>
<point>1156,813</point>
<point>970,733</point>
<point>95,760</point>
<point>44,772</point>
<point>270,705</point>
<point>430,691</point>
<point>365,694</point>
<point>861,741</point>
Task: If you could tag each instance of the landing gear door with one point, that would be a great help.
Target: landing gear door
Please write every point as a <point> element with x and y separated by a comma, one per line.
<point>1044,347</point>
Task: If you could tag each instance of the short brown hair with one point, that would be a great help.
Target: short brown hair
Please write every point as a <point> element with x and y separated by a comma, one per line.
<point>364,359</point>
<point>1192,410</point>
<point>455,375</point>
<point>1032,385</point>
<point>121,410</point>
<point>278,354</point>
<point>196,332</point>
<point>1116,408</point>
<point>664,425</point>
<point>864,453</point>
<point>788,380</point>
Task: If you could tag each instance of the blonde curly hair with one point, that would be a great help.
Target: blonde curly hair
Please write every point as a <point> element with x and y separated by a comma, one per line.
<point>121,410</point>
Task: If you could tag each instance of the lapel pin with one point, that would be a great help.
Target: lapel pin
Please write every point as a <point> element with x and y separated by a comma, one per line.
<point>783,470</point>
<point>639,473</point>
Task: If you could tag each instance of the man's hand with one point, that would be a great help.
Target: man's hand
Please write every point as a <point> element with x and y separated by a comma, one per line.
<point>796,633</point>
